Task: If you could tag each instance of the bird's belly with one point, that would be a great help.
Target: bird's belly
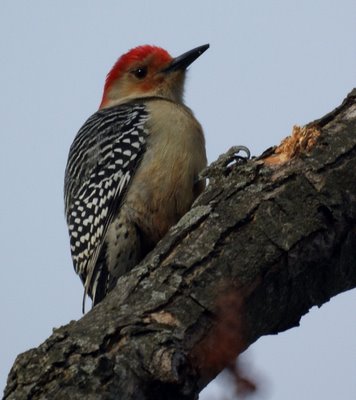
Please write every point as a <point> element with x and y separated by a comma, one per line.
<point>158,201</point>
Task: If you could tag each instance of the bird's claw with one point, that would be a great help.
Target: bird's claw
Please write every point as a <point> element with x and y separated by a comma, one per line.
<point>221,165</point>
<point>233,155</point>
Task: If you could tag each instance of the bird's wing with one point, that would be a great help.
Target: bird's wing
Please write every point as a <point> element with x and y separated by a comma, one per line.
<point>102,160</point>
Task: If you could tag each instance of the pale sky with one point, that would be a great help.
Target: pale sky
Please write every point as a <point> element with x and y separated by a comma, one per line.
<point>271,64</point>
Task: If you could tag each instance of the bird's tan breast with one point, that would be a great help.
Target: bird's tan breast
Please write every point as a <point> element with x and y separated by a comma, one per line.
<point>165,184</point>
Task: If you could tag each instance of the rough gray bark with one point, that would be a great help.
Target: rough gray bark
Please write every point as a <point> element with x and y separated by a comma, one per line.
<point>264,243</point>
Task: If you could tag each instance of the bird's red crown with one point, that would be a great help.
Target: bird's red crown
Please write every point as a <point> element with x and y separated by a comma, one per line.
<point>133,56</point>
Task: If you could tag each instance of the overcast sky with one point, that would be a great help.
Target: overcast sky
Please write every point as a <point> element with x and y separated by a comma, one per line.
<point>271,64</point>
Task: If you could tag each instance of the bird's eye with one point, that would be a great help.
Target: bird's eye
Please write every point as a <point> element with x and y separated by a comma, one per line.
<point>140,72</point>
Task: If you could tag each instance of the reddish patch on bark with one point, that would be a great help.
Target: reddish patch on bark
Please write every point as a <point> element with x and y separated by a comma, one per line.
<point>225,340</point>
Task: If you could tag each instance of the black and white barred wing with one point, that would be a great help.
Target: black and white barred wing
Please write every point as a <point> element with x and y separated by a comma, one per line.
<point>102,159</point>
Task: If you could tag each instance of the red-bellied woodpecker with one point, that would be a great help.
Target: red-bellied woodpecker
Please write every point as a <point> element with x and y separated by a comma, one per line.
<point>133,167</point>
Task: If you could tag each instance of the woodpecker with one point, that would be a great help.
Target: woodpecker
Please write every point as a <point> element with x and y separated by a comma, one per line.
<point>133,168</point>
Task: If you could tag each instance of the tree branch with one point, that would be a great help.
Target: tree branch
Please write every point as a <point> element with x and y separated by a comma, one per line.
<point>264,243</point>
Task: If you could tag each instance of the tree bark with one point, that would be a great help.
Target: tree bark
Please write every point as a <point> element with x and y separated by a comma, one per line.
<point>266,241</point>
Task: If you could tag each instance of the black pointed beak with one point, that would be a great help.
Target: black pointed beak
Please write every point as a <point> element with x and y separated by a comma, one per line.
<point>183,61</point>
